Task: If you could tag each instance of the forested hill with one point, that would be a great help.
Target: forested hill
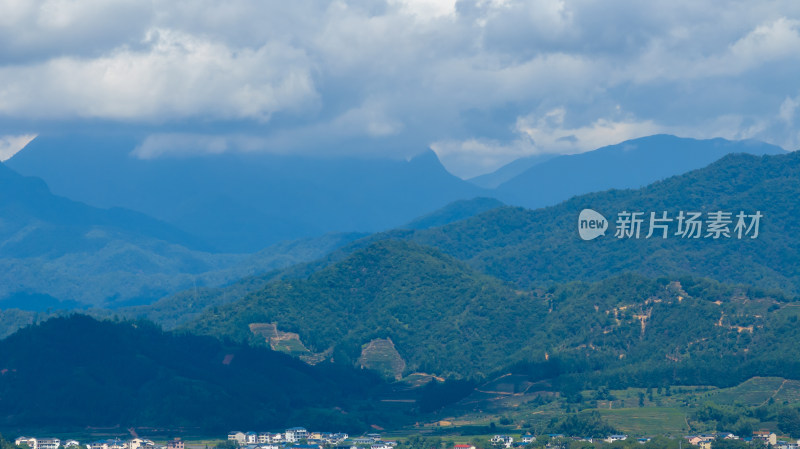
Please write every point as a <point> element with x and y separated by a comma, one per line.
<point>427,303</point>
<point>533,247</point>
<point>400,308</point>
<point>77,372</point>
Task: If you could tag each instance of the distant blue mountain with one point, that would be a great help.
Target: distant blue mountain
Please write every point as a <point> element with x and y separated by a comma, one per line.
<point>630,164</point>
<point>37,223</point>
<point>510,170</point>
<point>57,253</point>
<point>245,202</point>
<point>455,211</point>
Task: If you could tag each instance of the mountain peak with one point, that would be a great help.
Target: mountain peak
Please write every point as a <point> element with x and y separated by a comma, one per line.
<point>426,157</point>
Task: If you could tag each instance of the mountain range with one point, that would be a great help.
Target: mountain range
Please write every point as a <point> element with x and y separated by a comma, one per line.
<point>244,202</point>
<point>630,164</point>
<point>469,291</point>
<point>534,247</point>
<point>57,253</point>
<point>462,298</point>
<point>400,308</point>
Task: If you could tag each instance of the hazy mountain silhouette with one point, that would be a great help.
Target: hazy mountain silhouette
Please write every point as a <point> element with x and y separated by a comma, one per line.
<point>244,202</point>
<point>630,164</point>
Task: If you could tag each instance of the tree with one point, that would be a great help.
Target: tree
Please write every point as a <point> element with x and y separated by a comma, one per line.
<point>789,421</point>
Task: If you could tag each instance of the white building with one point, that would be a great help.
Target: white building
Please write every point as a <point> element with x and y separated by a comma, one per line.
<point>766,437</point>
<point>48,443</point>
<point>296,434</point>
<point>239,437</point>
<point>39,443</point>
<point>31,442</point>
<point>505,440</point>
<point>613,438</point>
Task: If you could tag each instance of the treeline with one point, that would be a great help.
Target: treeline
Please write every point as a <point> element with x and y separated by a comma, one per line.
<point>743,420</point>
<point>446,319</point>
<point>530,248</point>
<point>80,372</point>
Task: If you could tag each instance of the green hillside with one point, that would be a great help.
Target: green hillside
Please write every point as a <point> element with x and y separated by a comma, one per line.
<point>446,319</point>
<point>428,304</point>
<point>76,372</point>
<point>535,247</point>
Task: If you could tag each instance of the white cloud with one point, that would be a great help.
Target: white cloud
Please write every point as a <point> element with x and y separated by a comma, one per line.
<point>426,9</point>
<point>190,144</point>
<point>10,145</point>
<point>550,134</point>
<point>33,30</point>
<point>788,108</point>
<point>473,157</point>
<point>176,76</point>
<point>481,81</point>
<point>537,134</point>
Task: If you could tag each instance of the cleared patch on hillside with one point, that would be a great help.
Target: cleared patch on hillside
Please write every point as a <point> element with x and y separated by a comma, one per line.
<point>287,342</point>
<point>647,421</point>
<point>507,384</point>
<point>380,355</point>
<point>758,391</point>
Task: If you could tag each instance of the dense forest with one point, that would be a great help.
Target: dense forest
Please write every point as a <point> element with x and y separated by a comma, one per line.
<point>534,247</point>
<point>507,291</point>
<point>76,371</point>
<point>447,319</point>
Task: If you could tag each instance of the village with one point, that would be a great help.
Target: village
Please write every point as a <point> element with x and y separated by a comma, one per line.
<point>300,438</point>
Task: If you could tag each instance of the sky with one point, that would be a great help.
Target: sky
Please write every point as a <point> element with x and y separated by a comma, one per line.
<point>481,82</point>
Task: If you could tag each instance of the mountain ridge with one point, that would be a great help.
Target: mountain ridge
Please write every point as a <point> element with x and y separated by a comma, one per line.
<point>243,202</point>
<point>629,164</point>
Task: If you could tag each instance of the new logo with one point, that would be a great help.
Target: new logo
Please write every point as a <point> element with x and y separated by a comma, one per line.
<point>591,224</point>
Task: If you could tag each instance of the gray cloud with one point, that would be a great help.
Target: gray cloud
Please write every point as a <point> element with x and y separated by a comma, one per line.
<point>480,81</point>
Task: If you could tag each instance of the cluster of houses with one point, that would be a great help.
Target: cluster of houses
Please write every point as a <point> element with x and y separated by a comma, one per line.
<point>702,441</point>
<point>116,443</point>
<point>760,437</point>
<point>508,441</point>
<point>300,438</point>
<point>45,443</point>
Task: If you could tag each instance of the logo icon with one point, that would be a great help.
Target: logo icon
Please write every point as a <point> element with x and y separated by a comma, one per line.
<point>591,224</point>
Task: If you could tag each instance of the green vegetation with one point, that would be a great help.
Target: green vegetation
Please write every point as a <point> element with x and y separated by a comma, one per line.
<point>455,211</point>
<point>6,444</point>
<point>76,372</point>
<point>446,319</point>
<point>585,424</point>
<point>428,304</point>
<point>534,328</point>
<point>531,248</point>
<point>647,421</point>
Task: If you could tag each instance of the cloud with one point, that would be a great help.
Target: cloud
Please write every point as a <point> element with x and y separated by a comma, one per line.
<point>176,76</point>
<point>10,145</point>
<point>549,133</point>
<point>189,144</point>
<point>473,157</point>
<point>481,81</point>
<point>36,30</point>
<point>538,134</point>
